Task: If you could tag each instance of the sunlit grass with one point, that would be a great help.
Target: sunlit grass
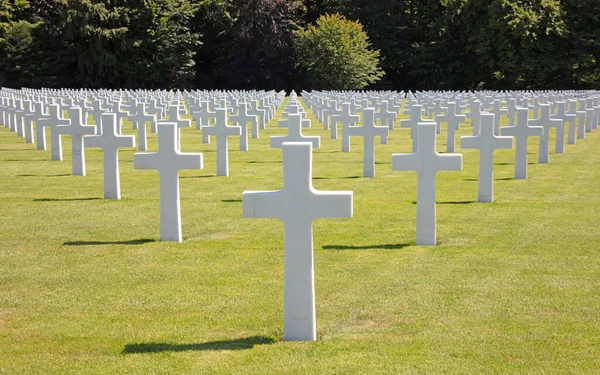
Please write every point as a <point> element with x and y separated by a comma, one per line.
<point>87,287</point>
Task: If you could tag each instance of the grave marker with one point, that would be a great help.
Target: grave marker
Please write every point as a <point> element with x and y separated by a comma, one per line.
<point>297,204</point>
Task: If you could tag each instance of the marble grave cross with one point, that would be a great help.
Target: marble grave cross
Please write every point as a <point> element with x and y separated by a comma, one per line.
<point>222,131</point>
<point>487,142</point>
<point>412,122</point>
<point>346,119</point>
<point>168,161</point>
<point>368,131</point>
<point>294,133</point>
<point>427,163</point>
<point>297,204</point>
<point>453,120</point>
<point>139,121</point>
<point>242,119</point>
<point>109,140</point>
<point>77,129</point>
<point>546,122</point>
<point>522,131</point>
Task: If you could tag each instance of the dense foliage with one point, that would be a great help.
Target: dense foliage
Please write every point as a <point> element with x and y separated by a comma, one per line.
<point>335,54</point>
<point>424,44</point>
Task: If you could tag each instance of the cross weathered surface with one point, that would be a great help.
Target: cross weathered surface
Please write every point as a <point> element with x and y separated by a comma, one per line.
<point>168,161</point>
<point>297,204</point>
<point>427,163</point>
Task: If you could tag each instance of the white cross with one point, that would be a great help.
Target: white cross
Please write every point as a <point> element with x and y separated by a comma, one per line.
<point>173,113</point>
<point>475,116</point>
<point>260,115</point>
<point>110,141</point>
<point>498,111</point>
<point>561,114</point>
<point>346,119</point>
<point>297,204</point>
<point>30,116</point>
<point>283,123</point>
<point>580,117</point>
<point>96,112</point>
<point>168,161</point>
<point>487,142</point>
<point>427,163</point>
<point>53,121</point>
<point>414,119</point>
<point>242,119</point>
<point>368,131</point>
<point>294,133</point>
<point>77,129</point>
<point>589,115</point>
<point>222,130</point>
<point>40,129</point>
<point>453,120</point>
<point>202,119</point>
<point>139,121</point>
<point>522,131</point>
<point>548,123</point>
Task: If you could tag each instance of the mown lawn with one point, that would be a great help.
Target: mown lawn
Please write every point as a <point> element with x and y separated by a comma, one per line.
<point>87,287</point>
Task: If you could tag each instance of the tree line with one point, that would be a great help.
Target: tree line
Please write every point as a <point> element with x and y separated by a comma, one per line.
<point>292,44</point>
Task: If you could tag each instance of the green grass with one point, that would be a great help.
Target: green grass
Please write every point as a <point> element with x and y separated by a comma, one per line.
<point>87,287</point>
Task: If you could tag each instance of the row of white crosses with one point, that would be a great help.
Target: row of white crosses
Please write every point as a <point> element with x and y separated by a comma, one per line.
<point>297,204</point>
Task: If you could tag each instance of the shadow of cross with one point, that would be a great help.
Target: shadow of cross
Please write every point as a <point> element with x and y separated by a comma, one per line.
<point>159,347</point>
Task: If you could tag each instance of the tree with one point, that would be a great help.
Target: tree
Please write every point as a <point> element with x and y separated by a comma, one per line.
<point>336,54</point>
<point>258,46</point>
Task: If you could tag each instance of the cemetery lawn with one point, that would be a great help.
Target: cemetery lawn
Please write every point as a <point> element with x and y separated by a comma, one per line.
<point>86,287</point>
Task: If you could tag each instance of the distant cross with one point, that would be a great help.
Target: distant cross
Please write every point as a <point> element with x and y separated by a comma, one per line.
<point>368,131</point>
<point>260,116</point>
<point>173,113</point>
<point>561,114</point>
<point>427,163</point>
<point>548,123</point>
<point>53,121</point>
<point>139,121</point>
<point>283,123</point>
<point>222,130</point>
<point>40,129</point>
<point>580,117</point>
<point>96,112</point>
<point>168,161</point>
<point>414,119</point>
<point>294,133</point>
<point>242,119</point>
<point>475,116</point>
<point>486,142</point>
<point>498,111</point>
<point>346,119</point>
<point>30,117</point>
<point>453,120</point>
<point>297,204</point>
<point>202,119</point>
<point>110,141</point>
<point>589,115</point>
<point>522,131</point>
<point>77,129</point>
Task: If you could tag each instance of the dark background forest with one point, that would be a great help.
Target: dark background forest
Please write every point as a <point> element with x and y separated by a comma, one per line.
<point>247,44</point>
